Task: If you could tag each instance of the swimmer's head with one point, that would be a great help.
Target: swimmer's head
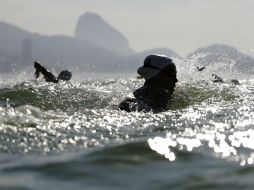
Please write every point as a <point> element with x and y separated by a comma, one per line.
<point>64,75</point>
<point>155,65</point>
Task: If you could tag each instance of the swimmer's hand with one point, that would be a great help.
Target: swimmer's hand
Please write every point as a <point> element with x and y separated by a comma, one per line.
<point>126,104</point>
<point>139,77</point>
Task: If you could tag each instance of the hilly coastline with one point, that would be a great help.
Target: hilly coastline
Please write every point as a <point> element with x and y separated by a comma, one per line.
<point>92,27</point>
<point>98,47</point>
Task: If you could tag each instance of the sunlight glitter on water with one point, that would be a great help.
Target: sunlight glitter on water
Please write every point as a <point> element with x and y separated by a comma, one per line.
<point>226,128</point>
<point>84,115</point>
<point>237,146</point>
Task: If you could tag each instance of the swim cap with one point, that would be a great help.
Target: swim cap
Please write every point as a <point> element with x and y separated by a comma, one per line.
<point>64,75</point>
<point>153,65</point>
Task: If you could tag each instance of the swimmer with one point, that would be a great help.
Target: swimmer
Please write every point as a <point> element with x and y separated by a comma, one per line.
<point>49,77</point>
<point>218,79</point>
<point>159,73</point>
<point>200,68</point>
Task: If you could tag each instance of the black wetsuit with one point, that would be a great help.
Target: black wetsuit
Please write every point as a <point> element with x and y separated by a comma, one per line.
<point>217,79</point>
<point>155,94</point>
<point>64,75</point>
<point>147,99</point>
<point>49,77</point>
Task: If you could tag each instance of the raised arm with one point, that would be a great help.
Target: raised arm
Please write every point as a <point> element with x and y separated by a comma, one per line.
<point>49,77</point>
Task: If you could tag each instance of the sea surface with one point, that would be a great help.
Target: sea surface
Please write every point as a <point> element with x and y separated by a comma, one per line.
<point>72,136</point>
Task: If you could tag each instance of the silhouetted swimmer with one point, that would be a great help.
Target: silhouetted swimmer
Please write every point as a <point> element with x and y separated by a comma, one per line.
<point>200,68</point>
<point>159,73</point>
<point>235,81</point>
<point>49,77</point>
<point>217,79</point>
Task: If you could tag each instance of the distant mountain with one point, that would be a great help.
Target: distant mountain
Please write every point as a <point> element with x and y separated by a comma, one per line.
<point>136,60</point>
<point>54,50</point>
<point>62,52</point>
<point>11,38</point>
<point>224,58</point>
<point>92,27</point>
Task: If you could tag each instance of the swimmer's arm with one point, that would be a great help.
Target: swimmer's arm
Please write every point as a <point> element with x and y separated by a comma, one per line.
<point>49,77</point>
<point>126,104</point>
<point>37,73</point>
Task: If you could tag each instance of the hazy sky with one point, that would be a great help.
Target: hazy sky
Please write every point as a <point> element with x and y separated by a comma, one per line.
<point>182,25</point>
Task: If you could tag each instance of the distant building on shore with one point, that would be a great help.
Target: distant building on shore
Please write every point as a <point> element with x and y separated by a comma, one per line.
<point>26,51</point>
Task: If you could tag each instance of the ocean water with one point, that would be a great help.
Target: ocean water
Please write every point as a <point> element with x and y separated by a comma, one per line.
<point>72,136</point>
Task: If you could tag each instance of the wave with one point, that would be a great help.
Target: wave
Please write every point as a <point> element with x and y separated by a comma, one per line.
<point>39,117</point>
<point>122,167</point>
<point>42,118</point>
<point>71,97</point>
